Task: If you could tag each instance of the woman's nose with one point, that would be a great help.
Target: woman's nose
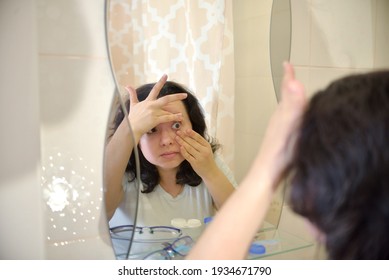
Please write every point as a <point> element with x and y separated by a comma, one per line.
<point>167,137</point>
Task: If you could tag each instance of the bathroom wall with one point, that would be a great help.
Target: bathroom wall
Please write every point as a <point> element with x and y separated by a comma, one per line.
<point>335,38</point>
<point>56,92</point>
<point>329,39</point>
<point>21,218</point>
<point>255,97</point>
<point>254,93</point>
<point>76,90</point>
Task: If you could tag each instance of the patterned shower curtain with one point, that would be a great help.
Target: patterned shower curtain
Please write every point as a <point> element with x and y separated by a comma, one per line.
<point>191,41</point>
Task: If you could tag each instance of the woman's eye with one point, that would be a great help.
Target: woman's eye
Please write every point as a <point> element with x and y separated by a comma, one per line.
<point>152,130</point>
<point>176,125</point>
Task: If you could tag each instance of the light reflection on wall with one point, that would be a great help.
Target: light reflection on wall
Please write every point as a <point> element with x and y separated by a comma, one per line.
<point>67,183</point>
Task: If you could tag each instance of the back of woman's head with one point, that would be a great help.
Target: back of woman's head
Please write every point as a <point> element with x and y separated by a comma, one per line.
<point>185,174</point>
<point>340,170</point>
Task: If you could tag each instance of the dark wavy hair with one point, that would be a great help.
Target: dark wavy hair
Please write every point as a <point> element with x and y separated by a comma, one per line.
<point>148,171</point>
<point>340,170</point>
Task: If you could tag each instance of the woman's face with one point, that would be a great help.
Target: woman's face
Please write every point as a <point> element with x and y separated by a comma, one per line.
<point>159,145</point>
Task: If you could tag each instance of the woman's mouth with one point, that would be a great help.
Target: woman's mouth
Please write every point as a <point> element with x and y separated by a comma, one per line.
<point>169,155</point>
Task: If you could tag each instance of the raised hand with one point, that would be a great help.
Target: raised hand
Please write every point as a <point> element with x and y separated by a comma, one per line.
<point>147,114</point>
<point>275,151</point>
<point>243,213</point>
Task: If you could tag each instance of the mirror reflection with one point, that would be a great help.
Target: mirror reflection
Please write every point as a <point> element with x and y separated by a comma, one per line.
<point>183,178</point>
<point>185,143</point>
<point>280,40</point>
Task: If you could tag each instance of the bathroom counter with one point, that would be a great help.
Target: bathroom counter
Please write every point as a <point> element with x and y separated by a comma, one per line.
<point>267,242</point>
<point>274,242</point>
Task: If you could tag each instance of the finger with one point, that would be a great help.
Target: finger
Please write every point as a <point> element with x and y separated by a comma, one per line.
<point>186,155</point>
<point>189,147</point>
<point>169,117</point>
<point>188,152</point>
<point>171,98</point>
<point>193,138</point>
<point>194,148</point>
<point>132,95</point>
<point>196,136</point>
<point>291,88</point>
<point>157,88</point>
<point>288,75</point>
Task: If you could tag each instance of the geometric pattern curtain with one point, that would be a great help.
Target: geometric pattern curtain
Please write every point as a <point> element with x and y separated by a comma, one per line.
<point>191,41</point>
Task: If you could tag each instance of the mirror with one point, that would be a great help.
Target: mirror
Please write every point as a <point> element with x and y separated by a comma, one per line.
<point>280,46</point>
<point>122,227</point>
<point>73,66</point>
<point>280,40</point>
<point>197,43</point>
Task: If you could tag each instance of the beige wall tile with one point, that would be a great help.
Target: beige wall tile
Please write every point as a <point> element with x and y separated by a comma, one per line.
<point>255,101</point>
<point>301,32</point>
<point>251,39</point>
<point>76,91</point>
<point>319,78</point>
<point>342,33</point>
<point>71,27</point>
<point>22,223</point>
<point>381,59</point>
<point>246,9</point>
<point>245,151</point>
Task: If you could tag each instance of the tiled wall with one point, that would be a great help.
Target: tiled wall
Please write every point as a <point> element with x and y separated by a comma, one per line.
<point>335,38</point>
<point>255,98</point>
<point>76,89</point>
<point>56,91</point>
<point>56,94</point>
<point>21,233</point>
<point>254,93</point>
<point>331,39</point>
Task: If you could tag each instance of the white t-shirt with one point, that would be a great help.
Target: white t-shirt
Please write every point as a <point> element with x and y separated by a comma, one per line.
<point>159,208</point>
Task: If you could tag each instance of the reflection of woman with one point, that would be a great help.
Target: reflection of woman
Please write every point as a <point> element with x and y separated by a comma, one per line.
<point>338,171</point>
<point>181,176</point>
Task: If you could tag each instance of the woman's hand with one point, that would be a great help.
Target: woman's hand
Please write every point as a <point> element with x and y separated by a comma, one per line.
<point>147,114</point>
<point>276,148</point>
<point>197,151</point>
<point>242,214</point>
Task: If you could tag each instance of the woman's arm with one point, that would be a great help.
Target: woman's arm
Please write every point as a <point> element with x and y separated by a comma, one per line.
<point>230,233</point>
<point>218,186</point>
<point>117,153</point>
<point>198,152</point>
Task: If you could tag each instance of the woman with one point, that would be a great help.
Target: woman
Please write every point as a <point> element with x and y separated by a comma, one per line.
<point>181,175</point>
<point>335,154</point>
